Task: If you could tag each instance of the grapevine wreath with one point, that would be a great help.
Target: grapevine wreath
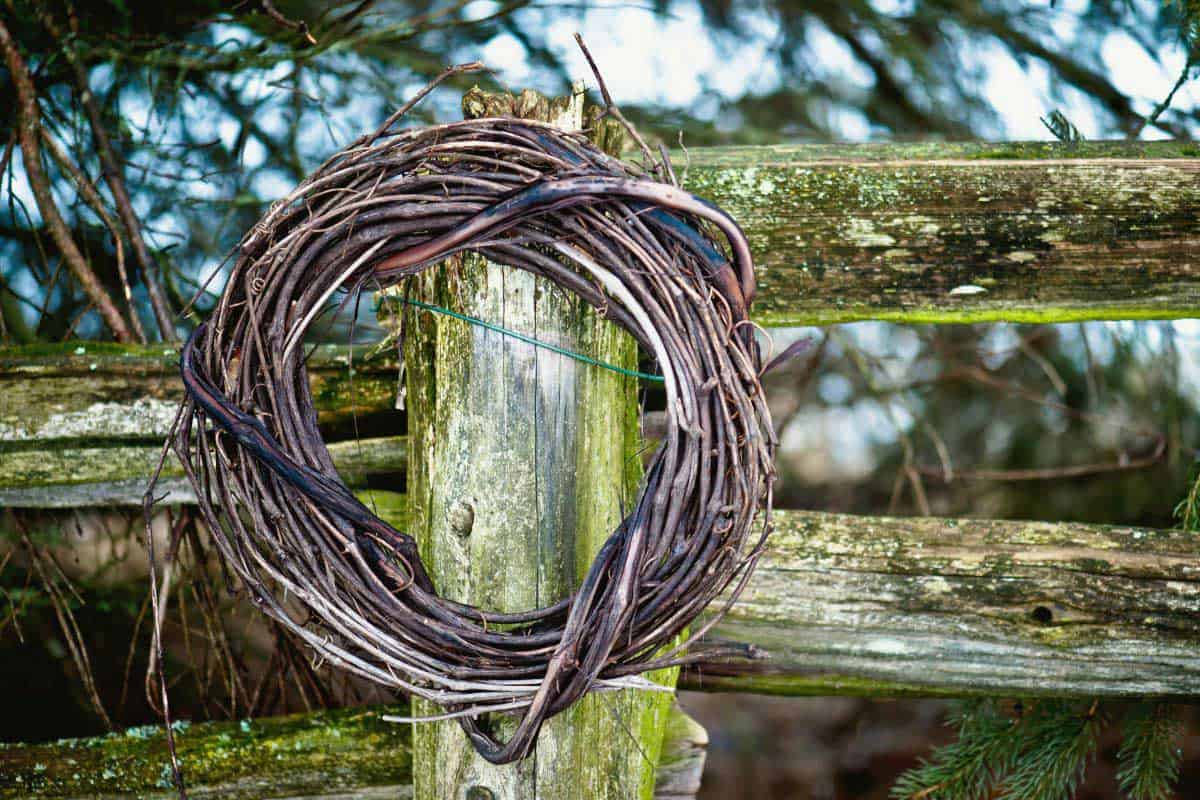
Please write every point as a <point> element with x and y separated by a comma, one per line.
<point>671,269</point>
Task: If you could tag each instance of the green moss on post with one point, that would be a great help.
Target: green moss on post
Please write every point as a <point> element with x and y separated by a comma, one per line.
<point>520,463</point>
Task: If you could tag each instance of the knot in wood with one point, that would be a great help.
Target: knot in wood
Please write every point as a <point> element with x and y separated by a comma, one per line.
<point>461,517</point>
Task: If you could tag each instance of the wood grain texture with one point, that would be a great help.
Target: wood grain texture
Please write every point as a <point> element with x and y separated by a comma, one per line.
<point>936,607</point>
<point>349,754</point>
<point>885,607</point>
<point>1023,232</point>
<point>64,475</point>
<point>840,604</point>
<point>912,233</point>
<point>521,461</point>
<point>77,391</point>
<point>82,423</point>
<point>515,482</point>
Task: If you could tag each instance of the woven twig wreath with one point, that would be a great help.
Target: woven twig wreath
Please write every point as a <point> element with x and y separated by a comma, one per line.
<point>669,268</point>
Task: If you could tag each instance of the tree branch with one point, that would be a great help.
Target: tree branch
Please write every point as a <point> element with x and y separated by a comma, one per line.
<point>92,198</point>
<point>28,124</point>
<point>115,179</point>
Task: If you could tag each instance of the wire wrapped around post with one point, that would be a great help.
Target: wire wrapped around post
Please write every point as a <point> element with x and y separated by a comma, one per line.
<point>668,267</point>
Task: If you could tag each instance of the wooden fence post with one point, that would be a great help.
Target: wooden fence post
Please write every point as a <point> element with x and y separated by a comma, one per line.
<point>521,460</point>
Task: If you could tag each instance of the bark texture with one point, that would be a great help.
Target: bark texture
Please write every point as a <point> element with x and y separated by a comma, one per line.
<point>82,424</point>
<point>964,233</point>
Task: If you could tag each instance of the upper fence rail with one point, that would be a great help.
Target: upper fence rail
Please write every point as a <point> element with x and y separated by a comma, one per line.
<point>937,232</point>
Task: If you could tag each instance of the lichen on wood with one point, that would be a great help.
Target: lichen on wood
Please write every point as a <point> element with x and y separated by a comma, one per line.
<point>347,753</point>
<point>1035,232</point>
<point>886,607</point>
<point>876,606</point>
<point>304,755</point>
<point>66,476</point>
<point>90,391</point>
<point>82,423</point>
<point>521,461</point>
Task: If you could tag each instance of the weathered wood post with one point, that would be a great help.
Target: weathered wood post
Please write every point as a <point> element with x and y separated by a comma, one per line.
<point>521,460</point>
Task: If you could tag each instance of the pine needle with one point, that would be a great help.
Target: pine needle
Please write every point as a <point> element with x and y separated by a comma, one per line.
<point>1188,510</point>
<point>967,768</point>
<point>1148,761</point>
<point>1038,755</point>
<point>1058,743</point>
<point>1063,129</point>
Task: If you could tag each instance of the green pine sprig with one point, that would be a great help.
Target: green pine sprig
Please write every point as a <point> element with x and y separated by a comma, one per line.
<point>1058,740</point>
<point>1041,750</point>
<point>1189,24</point>
<point>966,769</point>
<point>1188,509</point>
<point>1063,129</point>
<point>1148,761</point>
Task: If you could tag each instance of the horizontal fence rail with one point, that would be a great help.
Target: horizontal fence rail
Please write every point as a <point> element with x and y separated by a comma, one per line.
<point>964,232</point>
<point>924,606</point>
<point>839,605</point>
<point>82,424</point>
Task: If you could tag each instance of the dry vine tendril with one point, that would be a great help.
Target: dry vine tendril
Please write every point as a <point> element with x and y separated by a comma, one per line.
<point>666,266</point>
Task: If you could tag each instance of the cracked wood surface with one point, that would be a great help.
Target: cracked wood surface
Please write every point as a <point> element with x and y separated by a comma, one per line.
<point>82,423</point>
<point>860,604</point>
<point>939,607</point>
<point>1039,232</point>
<point>521,461</point>
<point>939,232</point>
<point>887,607</point>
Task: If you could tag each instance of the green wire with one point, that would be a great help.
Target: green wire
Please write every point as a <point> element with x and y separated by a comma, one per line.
<point>529,340</point>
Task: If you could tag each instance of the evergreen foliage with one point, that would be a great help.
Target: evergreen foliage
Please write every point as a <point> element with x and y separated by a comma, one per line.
<point>1189,25</point>
<point>1188,510</point>
<point>1056,742</point>
<point>1063,129</point>
<point>965,769</point>
<point>1040,750</point>
<point>1149,756</point>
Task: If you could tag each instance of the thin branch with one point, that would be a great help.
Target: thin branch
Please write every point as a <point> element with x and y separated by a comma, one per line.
<point>67,623</point>
<point>1124,463</point>
<point>299,26</point>
<point>395,116</point>
<point>28,125</point>
<point>1152,120</point>
<point>95,202</point>
<point>114,177</point>
<point>148,500</point>
<point>661,170</point>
